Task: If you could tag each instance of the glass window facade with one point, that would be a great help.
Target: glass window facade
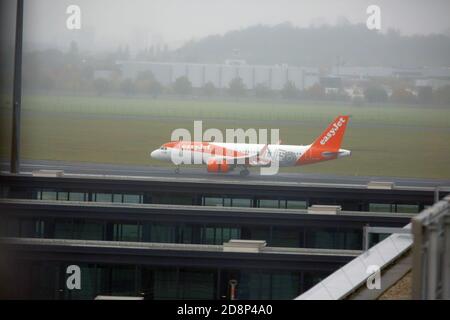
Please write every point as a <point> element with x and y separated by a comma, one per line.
<point>226,202</point>
<point>47,280</point>
<point>127,232</point>
<point>286,237</point>
<point>292,204</point>
<point>374,238</point>
<point>88,230</point>
<point>156,232</point>
<point>241,202</point>
<point>209,200</point>
<point>391,207</point>
<point>77,196</point>
<point>213,201</point>
<point>311,278</point>
<point>407,208</point>
<point>103,197</point>
<point>48,195</point>
<point>267,203</point>
<point>275,236</point>
<point>259,284</point>
<point>381,207</point>
<point>165,283</point>
<point>87,196</point>
<point>333,238</point>
<point>196,284</point>
<point>132,198</point>
<point>89,286</point>
<point>63,229</point>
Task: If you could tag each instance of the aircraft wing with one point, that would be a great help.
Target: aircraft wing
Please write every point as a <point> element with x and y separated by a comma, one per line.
<point>258,158</point>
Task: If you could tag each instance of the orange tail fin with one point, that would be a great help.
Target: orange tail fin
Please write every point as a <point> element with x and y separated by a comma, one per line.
<point>331,138</point>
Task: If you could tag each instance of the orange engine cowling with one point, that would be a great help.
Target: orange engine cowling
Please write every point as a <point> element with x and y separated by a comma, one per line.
<point>215,165</point>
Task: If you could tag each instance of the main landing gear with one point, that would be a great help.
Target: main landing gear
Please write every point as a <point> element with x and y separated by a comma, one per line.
<point>244,173</point>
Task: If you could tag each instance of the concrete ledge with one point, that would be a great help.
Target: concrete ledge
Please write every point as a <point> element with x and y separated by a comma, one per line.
<point>253,246</point>
<point>343,282</point>
<point>389,277</point>
<point>323,209</point>
<point>48,173</point>
<point>383,185</point>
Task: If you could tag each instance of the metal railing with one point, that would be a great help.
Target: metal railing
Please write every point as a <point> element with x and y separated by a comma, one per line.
<point>431,252</point>
<point>354,274</point>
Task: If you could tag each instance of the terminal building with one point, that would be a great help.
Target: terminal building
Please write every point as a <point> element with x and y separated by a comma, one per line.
<point>157,238</point>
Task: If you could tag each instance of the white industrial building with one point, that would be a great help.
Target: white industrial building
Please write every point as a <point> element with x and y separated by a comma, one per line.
<point>274,77</point>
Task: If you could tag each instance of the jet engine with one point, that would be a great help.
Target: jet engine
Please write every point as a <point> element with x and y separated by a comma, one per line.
<point>218,165</point>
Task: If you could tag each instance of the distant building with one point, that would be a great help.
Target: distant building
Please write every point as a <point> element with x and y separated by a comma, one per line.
<point>235,62</point>
<point>432,83</point>
<point>274,77</point>
<point>331,84</point>
<point>361,73</point>
<point>103,74</point>
<point>365,73</point>
<point>412,91</point>
<point>355,92</point>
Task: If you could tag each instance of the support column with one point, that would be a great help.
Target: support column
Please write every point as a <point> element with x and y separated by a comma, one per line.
<point>17,91</point>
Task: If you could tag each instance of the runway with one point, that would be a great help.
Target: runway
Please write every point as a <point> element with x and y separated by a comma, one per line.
<point>201,173</point>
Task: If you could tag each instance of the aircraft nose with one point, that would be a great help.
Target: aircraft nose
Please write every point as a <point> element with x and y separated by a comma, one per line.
<point>155,154</point>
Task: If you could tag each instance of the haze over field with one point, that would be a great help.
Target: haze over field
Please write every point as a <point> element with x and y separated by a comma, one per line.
<point>140,23</point>
<point>319,33</point>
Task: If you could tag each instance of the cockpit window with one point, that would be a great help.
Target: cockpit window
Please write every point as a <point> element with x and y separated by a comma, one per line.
<point>163,148</point>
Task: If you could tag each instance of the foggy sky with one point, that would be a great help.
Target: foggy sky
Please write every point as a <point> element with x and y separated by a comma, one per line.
<point>106,24</point>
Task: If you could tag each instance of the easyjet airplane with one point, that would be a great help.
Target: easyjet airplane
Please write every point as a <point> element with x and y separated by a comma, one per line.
<point>224,157</point>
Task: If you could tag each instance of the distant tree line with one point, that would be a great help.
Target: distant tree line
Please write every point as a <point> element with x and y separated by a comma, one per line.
<point>146,83</point>
<point>74,73</point>
<point>343,44</point>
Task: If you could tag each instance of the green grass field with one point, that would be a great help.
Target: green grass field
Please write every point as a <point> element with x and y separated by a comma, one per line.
<point>386,141</point>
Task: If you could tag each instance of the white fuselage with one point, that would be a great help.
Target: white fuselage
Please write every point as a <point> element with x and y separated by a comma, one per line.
<point>286,155</point>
